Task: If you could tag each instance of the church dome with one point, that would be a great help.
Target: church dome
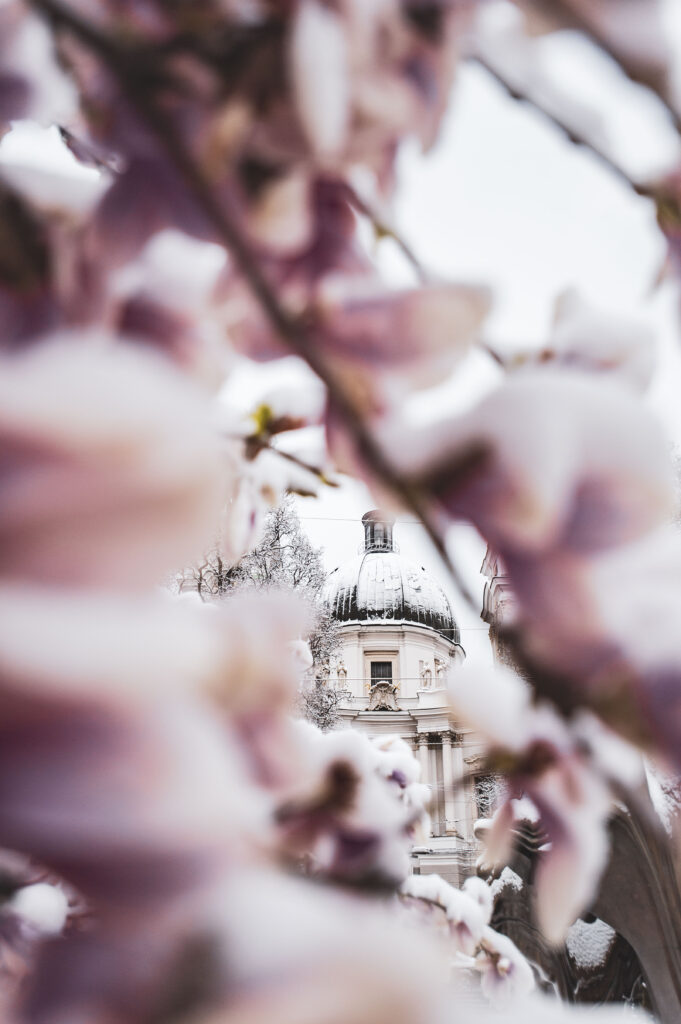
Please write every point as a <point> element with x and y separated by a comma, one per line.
<point>379,584</point>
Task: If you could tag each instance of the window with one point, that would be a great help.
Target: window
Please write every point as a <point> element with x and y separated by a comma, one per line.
<point>380,666</point>
<point>381,671</point>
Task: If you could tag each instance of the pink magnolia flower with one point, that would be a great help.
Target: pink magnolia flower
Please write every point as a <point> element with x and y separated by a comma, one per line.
<point>362,326</point>
<point>111,471</point>
<point>387,73</point>
<point>608,622</point>
<point>133,809</point>
<point>467,919</point>
<point>295,954</point>
<point>164,298</point>
<point>586,337</point>
<point>259,946</point>
<point>565,462</point>
<point>32,85</point>
<point>506,976</point>
<point>419,332</point>
<point>353,809</point>
<point>546,760</point>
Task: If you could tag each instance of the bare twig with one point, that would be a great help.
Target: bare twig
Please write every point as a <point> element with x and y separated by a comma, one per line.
<point>385,230</point>
<point>644,72</point>
<point>573,135</point>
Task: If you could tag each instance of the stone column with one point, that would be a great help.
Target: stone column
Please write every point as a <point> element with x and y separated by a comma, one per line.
<point>422,740</point>
<point>460,799</point>
<point>448,779</point>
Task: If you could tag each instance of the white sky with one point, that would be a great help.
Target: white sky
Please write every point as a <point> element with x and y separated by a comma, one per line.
<point>505,199</point>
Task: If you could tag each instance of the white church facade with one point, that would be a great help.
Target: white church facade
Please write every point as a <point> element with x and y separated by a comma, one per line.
<point>399,642</point>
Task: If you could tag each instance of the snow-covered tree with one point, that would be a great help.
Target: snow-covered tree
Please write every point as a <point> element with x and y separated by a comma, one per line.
<point>283,560</point>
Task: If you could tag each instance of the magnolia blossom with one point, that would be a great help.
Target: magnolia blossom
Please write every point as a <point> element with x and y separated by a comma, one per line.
<point>466,918</point>
<point>414,335</point>
<point>296,953</point>
<point>358,813</point>
<point>114,474</point>
<point>560,471</point>
<point>558,769</point>
<point>565,461</point>
<point>171,308</point>
<point>31,82</point>
<point>587,337</point>
<point>418,333</point>
<point>385,74</point>
<point>506,976</point>
<point>611,626</point>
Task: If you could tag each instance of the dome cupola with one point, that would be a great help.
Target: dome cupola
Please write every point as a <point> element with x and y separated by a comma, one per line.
<point>378,531</point>
<point>378,584</point>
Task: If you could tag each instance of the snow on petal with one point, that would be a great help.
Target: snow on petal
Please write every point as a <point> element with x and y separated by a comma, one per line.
<point>351,811</point>
<point>112,471</point>
<point>319,68</point>
<point>506,975</point>
<point>465,914</point>
<point>426,329</point>
<point>570,869</point>
<point>68,641</point>
<point>481,892</point>
<point>27,57</point>
<point>565,459</point>
<point>584,335</point>
<point>42,905</point>
<point>474,693</point>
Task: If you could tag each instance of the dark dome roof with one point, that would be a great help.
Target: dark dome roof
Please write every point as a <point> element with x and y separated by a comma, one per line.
<point>380,584</point>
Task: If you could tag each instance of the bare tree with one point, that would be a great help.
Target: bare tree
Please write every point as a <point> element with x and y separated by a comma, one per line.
<point>283,560</point>
<point>318,702</point>
<point>488,789</point>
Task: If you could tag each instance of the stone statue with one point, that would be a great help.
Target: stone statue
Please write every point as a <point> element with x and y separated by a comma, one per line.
<point>426,677</point>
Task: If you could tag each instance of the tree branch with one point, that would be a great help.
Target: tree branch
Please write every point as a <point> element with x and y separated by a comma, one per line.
<point>642,72</point>
<point>573,135</point>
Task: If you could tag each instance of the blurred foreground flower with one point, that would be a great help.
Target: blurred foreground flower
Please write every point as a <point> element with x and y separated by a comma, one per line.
<point>565,770</point>
<point>112,470</point>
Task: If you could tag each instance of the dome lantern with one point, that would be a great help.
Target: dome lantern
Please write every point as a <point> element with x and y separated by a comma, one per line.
<point>379,584</point>
<point>378,531</point>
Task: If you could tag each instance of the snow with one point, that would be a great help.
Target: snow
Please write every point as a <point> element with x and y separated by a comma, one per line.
<point>42,905</point>
<point>665,795</point>
<point>524,809</point>
<point>508,879</point>
<point>383,585</point>
<point>589,944</point>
